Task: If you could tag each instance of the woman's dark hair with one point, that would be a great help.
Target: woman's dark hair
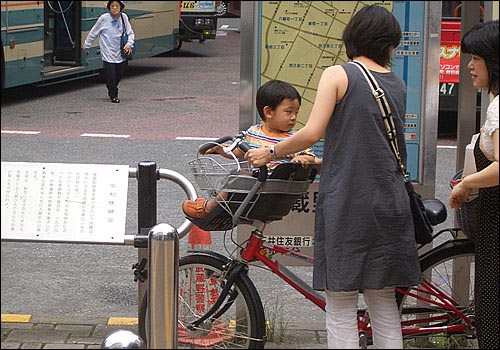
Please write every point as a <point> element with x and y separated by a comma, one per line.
<point>273,93</point>
<point>482,40</point>
<point>372,32</point>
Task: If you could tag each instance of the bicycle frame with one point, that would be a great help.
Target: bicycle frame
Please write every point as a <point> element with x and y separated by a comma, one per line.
<point>256,249</point>
<point>439,313</point>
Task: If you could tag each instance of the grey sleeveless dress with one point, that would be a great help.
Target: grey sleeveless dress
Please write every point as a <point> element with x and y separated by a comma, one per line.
<point>364,237</point>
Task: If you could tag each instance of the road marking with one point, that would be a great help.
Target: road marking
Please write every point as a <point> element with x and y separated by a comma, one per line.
<point>15,318</point>
<point>448,147</point>
<point>195,138</point>
<point>20,132</point>
<point>104,135</point>
<point>123,321</point>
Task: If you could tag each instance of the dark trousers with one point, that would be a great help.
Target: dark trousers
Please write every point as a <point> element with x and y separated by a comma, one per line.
<point>114,73</point>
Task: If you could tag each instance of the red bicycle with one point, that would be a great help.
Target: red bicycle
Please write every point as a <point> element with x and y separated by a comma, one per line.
<point>219,305</point>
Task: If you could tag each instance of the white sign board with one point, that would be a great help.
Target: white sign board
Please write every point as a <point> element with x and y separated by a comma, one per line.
<point>61,202</point>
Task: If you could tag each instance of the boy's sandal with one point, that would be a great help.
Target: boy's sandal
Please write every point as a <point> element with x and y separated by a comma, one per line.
<point>195,209</point>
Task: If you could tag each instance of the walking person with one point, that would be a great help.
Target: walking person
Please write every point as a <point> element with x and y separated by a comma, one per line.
<point>364,238</point>
<point>109,28</point>
<point>481,42</point>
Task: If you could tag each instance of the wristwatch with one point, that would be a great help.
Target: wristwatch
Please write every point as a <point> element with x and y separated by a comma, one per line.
<point>272,152</point>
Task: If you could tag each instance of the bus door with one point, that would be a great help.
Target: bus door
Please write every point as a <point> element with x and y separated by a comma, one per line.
<point>62,33</point>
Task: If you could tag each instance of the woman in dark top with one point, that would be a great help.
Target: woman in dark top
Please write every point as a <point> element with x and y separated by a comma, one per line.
<point>481,42</point>
<point>364,238</point>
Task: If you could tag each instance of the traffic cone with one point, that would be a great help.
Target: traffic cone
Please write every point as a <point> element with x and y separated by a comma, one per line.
<point>199,239</point>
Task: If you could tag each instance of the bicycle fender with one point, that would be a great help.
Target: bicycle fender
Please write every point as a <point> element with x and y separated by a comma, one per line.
<point>222,258</point>
<point>465,244</point>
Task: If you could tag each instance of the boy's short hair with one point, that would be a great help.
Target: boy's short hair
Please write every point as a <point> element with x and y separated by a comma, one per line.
<point>372,32</point>
<point>273,93</point>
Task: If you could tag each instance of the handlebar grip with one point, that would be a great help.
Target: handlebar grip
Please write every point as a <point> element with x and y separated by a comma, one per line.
<point>205,147</point>
<point>244,147</point>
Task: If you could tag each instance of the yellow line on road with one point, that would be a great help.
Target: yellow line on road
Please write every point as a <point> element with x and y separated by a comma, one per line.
<point>122,321</point>
<point>16,318</point>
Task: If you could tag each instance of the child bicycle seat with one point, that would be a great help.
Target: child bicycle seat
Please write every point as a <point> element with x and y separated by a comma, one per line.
<point>274,199</point>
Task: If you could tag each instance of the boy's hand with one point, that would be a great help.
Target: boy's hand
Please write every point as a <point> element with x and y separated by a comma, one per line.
<point>213,150</point>
<point>304,160</point>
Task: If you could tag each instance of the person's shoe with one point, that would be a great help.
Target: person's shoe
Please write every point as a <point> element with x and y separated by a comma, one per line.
<point>115,100</point>
<point>195,209</point>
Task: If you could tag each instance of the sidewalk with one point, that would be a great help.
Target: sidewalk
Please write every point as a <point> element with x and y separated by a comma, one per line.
<point>61,332</point>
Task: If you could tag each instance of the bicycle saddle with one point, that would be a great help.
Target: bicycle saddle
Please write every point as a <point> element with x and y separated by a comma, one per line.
<point>435,210</point>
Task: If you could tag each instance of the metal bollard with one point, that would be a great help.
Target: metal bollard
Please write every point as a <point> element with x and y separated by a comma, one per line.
<point>122,339</point>
<point>163,287</point>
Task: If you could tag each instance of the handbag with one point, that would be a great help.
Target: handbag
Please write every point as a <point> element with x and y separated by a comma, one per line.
<point>421,223</point>
<point>123,42</point>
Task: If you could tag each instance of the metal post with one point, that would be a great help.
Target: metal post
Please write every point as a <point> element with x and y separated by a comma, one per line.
<point>163,288</point>
<point>146,216</point>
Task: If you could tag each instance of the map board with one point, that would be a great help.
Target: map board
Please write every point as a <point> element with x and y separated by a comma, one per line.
<point>59,202</point>
<point>299,39</point>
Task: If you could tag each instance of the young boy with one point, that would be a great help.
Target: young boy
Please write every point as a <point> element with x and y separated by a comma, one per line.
<point>278,104</point>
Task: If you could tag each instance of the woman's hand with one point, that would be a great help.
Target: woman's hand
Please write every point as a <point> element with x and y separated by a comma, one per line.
<point>459,194</point>
<point>258,157</point>
<point>127,49</point>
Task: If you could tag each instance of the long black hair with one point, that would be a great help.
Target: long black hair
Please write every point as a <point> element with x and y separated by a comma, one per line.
<point>482,40</point>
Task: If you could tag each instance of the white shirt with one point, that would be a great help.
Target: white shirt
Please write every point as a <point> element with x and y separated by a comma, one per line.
<point>489,126</point>
<point>110,31</point>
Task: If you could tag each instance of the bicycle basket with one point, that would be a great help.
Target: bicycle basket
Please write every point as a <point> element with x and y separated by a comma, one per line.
<point>211,175</point>
<point>468,211</point>
<point>273,200</point>
<point>467,217</point>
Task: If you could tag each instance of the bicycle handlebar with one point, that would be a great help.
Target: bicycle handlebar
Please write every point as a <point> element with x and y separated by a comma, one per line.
<point>237,142</point>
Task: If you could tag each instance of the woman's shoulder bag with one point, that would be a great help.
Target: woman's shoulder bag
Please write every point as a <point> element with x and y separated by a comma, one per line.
<point>422,224</point>
<point>123,42</point>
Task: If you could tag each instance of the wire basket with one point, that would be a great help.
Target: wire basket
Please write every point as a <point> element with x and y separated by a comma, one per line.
<point>212,176</point>
<point>232,184</point>
<point>467,217</point>
<point>467,214</point>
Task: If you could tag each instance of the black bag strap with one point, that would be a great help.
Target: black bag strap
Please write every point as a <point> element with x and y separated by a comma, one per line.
<point>123,23</point>
<point>379,95</point>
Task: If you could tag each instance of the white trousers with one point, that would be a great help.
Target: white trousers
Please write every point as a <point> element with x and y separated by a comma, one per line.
<point>341,319</point>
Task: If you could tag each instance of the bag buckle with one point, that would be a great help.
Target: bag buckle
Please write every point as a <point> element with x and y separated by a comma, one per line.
<point>378,93</point>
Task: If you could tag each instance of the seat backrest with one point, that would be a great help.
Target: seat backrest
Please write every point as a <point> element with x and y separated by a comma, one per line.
<point>292,171</point>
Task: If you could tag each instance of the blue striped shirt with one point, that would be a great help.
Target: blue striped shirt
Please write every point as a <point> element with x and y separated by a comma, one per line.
<point>257,136</point>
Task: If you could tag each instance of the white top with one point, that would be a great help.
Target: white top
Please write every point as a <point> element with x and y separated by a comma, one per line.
<point>490,125</point>
<point>110,31</point>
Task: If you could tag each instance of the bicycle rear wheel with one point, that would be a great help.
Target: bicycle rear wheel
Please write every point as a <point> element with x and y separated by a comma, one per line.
<point>240,326</point>
<point>446,269</point>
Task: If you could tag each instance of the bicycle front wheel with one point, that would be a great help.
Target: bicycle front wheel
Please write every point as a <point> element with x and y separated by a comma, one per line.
<point>239,323</point>
<point>441,308</point>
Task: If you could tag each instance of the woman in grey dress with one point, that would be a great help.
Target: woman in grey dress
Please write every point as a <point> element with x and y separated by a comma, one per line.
<point>364,237</point>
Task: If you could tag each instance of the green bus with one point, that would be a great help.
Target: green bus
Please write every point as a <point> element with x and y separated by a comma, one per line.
<point>42,40</point>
